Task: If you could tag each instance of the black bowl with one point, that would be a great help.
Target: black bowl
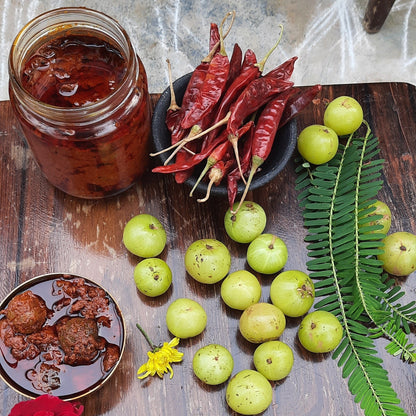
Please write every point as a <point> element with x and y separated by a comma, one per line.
<point>283,146</point>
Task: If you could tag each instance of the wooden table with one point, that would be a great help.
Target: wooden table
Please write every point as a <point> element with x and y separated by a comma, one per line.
<point>43,230</point>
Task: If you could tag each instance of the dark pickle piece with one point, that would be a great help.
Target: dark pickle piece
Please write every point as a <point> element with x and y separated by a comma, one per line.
<point>27,312</point>
<point>79,339</point>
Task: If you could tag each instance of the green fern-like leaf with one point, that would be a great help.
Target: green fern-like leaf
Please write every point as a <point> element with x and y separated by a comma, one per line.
<point>343,245</point>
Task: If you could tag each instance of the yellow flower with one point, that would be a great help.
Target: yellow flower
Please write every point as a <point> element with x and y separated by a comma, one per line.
<point>160,359</point>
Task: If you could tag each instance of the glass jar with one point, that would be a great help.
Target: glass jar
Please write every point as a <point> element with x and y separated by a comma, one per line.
<point>86,118</point>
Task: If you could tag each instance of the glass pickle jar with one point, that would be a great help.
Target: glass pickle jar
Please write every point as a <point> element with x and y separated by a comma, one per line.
<point>80,94</point>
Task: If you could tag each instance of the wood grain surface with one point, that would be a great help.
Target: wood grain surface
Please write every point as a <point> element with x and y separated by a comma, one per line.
<point>43,230</point>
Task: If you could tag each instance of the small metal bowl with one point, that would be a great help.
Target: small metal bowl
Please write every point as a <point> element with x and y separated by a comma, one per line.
<point>14,373</point>
<point>283,146</point>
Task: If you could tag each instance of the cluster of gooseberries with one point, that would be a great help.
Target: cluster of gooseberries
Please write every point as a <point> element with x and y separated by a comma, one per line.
<point>292,294</point>
<point>145,236</point>
<point>399,248</point>
<point>318,143</point>
<point>208,261</point>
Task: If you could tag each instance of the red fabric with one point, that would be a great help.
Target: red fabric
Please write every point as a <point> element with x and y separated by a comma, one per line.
<point>47,405</point>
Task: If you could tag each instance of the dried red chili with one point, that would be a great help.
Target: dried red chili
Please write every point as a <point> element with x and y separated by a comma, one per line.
<point>264,135</point>
<point>267,126</point>
<point>249,59</point>
<point>250,71</point>
<point>210,90</point>
<point>235,64</point>
<point>298,102</point>
<point>229,98</point>
<point>284,70</point>
<point>254,96</point>
<point>199,73</point>
<point>214,106</point>
<point>192,89</point>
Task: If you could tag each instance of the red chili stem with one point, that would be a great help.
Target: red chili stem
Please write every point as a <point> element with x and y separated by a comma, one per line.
<point>199,157</point>
<point>193,161</point>
<point>215,36</point>
<point>216,174</point>
<point>216,156</point>
<point>173,107</point>
<point>266,57</point>
<point>173,114</point>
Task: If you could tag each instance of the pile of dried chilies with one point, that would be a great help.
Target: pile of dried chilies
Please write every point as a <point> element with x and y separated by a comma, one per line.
<point>234,110</point>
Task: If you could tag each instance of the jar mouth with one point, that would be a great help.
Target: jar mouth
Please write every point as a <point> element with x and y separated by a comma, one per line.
<point>78,20</point>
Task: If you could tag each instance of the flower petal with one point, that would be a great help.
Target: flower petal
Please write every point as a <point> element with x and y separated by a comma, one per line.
<point>46,405</point>
<point>160,359</point>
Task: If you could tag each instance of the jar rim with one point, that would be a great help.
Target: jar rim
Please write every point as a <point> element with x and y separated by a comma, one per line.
<point>67,15</point>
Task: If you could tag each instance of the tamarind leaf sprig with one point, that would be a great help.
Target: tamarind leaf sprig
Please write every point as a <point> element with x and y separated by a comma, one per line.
<point>336,199</point>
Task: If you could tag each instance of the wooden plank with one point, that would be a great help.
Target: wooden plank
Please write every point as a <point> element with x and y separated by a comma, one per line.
<point>43,230</point>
